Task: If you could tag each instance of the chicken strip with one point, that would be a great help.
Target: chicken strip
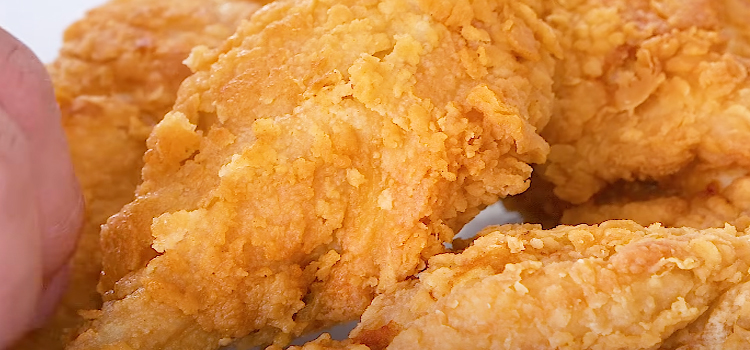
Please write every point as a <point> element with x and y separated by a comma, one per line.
<point>661,79</point>
<point>674,206</point>
<point>617,285</point>
<point>117,75</point>
<point>725,326</point>
<point>689,198</point>
<point>652,95</point>
<point>319,156</point>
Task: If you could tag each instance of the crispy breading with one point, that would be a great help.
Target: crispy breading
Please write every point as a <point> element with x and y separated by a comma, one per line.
<point>325,342</point>
<point>711,200</point>
<point>655,94</point>
<point>116,76</point>
<point>734,15</point>
<point>726,325</point>
<point>690,198</point>
<point>640,97</point>
<point>319,156</point>
<point>617,285</point>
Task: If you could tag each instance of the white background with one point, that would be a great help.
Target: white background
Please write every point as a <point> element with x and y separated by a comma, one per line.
<point>40,23</point>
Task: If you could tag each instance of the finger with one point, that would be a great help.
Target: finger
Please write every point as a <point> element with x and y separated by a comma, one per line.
<point>27,96</point>
<point>51,295</point>
<point>20,235</point>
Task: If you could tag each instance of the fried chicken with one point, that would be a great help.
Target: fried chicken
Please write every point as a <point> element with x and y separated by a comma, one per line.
<point>654,94</point>
<point>117,75</point>
<point>319,156</point>
<point>726,325</point>
<point>673,206</point>
<point>734,15</point>
<point>673,202</point>
<point>617,285</point>
<point>662,80</point>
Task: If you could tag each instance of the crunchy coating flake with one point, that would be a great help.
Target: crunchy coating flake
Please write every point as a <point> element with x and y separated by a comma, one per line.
<point>617,285</point>
<point>116,76</point>
<point>651,122</point>
<point>726,325</point>
<point>319,156</point>
<point>691,198</point>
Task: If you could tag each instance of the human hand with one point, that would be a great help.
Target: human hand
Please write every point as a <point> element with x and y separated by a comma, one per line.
<point>41,206</point>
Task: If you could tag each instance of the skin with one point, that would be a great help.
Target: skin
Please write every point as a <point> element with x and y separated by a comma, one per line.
<point>41,206</point>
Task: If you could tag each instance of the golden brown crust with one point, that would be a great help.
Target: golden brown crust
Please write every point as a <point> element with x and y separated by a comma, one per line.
<point>321,155</point>
<point>661,80</point>
<point>726,325</point>
<point>324,342</point>
<point>116,76</point>
<point>690,198</point>
<point>656,98</point>
<point>617,285</point>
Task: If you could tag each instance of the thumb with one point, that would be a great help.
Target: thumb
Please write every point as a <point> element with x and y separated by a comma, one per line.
<point>27,96</point>
<point>40,201</point>
<point>20,234</point>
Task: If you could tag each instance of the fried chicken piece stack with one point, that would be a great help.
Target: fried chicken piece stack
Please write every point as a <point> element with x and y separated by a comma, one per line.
<point>650,123</point>
<point>319,157</point>
<point>616,285</point>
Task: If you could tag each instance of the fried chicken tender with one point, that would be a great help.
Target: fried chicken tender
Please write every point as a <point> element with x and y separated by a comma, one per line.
<point>725,326</point>
<point>673,202</point>
<point>652,96</point>
<point>617,285</point>
<point>325,342</point>
<point>319,156</point>
<point>716,205</point>
<point>648,93</point>
<point>116,76</point>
